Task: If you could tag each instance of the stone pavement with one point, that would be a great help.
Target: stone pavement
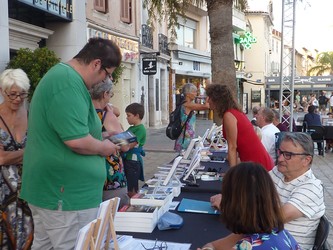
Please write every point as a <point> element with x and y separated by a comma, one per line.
<point>159,150</point>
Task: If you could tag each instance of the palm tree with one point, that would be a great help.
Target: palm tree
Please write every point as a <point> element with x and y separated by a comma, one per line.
<point>324,64</point>
<point>220,18</point>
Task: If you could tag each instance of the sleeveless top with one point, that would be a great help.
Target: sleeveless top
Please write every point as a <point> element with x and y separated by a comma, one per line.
<point>249,146</point>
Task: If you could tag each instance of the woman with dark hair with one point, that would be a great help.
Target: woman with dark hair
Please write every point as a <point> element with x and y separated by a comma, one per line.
<point>251,210</point>
<point>242,140</point>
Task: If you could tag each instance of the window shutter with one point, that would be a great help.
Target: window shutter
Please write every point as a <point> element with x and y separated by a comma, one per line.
<point>100,5</point>
<point>126,11</point>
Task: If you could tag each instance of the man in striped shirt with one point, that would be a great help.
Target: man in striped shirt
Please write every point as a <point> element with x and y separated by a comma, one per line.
<point>299,190</point>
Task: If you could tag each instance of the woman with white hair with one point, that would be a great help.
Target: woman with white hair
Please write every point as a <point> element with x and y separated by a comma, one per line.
<point>115,184</point>
<point>188,116</point>
<point>16,231</point>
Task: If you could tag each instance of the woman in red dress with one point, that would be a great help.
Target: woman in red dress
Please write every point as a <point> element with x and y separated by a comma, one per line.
<point>243,142</point>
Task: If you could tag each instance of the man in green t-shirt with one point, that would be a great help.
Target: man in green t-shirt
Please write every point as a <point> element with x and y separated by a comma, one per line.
<point>64,169</point>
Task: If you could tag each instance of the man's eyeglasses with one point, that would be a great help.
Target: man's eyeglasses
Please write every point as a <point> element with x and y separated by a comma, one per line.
<point>13,96</point>
<point>287,155</point>
<point>107,73</point>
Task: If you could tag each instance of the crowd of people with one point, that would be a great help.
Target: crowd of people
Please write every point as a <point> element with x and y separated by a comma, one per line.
<point>300,193</point>
<point>58,162</point>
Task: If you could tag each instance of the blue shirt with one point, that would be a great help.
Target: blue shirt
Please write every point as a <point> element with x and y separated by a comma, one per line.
<point>312,119</point>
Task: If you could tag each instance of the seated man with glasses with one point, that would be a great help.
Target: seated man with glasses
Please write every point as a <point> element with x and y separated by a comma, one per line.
<point>300,191</point>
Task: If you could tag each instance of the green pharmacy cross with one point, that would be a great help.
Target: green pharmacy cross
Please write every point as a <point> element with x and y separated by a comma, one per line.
<point>247,40</point>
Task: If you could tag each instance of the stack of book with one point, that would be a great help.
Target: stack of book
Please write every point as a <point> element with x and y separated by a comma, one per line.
<point>136,218</point>
<point>154,196</point>
<point>176,185</point>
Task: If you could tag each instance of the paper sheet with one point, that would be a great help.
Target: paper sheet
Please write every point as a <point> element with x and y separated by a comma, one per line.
<point>137,245</point>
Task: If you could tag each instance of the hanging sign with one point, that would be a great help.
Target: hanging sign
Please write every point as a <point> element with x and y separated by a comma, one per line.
<point>149,66</point>
<point>247,40</point>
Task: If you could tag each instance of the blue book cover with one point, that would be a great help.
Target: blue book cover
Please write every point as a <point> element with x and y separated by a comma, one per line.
<point>196,206</point>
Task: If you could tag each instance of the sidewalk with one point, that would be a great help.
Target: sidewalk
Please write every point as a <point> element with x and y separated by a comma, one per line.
<point>159,150</point>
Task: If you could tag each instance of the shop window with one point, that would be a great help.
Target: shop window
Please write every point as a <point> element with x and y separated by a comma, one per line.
<point>100,5</point>
<point>126,11</point>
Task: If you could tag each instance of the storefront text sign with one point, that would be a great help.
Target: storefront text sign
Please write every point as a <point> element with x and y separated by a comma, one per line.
<point>60,8</point>
<point>247,40</point>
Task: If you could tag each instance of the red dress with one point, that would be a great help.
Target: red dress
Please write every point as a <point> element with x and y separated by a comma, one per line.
<point>249,146</point>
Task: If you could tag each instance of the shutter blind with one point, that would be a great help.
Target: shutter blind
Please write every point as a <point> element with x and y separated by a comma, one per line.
<point>100,5</point>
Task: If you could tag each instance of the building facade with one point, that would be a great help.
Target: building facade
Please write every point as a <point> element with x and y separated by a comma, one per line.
<point>258,57</point>
<point>120,22</point>
<point>59,25</point>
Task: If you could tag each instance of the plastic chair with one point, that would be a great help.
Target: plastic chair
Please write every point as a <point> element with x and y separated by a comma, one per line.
<point>318,135</point>
<point>322,234</point>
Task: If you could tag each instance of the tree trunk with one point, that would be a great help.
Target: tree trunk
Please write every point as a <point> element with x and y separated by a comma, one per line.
<point>222,46</point>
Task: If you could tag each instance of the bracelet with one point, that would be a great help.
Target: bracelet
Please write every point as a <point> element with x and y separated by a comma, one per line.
<point>207,248</point>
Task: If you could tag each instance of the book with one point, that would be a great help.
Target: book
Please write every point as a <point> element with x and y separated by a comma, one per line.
<point>196,206</point>
<point>137,211</point>
<point>84,235</point>
<point>152,197</point>
<point>123,138</point>
<point>106,208</point>
<point>174,184</point>
<point>150,200</point>
<point>148,228</point>
<point>133,218</point>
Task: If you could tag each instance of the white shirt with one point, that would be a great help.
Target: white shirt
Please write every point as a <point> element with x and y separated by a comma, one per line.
<point>268,139</point>
<point>306,194</point>
<point>331,101</point>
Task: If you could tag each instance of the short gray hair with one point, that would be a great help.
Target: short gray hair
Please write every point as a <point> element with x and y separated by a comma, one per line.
<point>255,110</point>
<point>188,88</point>
<point>16,77</point>
<point>300,138</point>
<point>268,114</point>
<point>99,89</point>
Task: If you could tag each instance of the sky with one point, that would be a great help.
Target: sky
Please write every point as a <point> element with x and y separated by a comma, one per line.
<point>314,22</point>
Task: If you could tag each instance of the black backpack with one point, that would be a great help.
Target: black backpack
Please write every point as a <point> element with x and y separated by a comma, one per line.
<point>175,128</point>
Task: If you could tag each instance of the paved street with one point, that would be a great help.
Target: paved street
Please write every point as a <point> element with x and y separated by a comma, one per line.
<point>159,150</point>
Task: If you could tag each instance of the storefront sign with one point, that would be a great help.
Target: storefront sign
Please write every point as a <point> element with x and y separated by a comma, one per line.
<point>129,48</point>
<point>256,96</point>
<point>60,8</point>
<point>149,66</point>
<point>302,80</point>
<point>247,40</point>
